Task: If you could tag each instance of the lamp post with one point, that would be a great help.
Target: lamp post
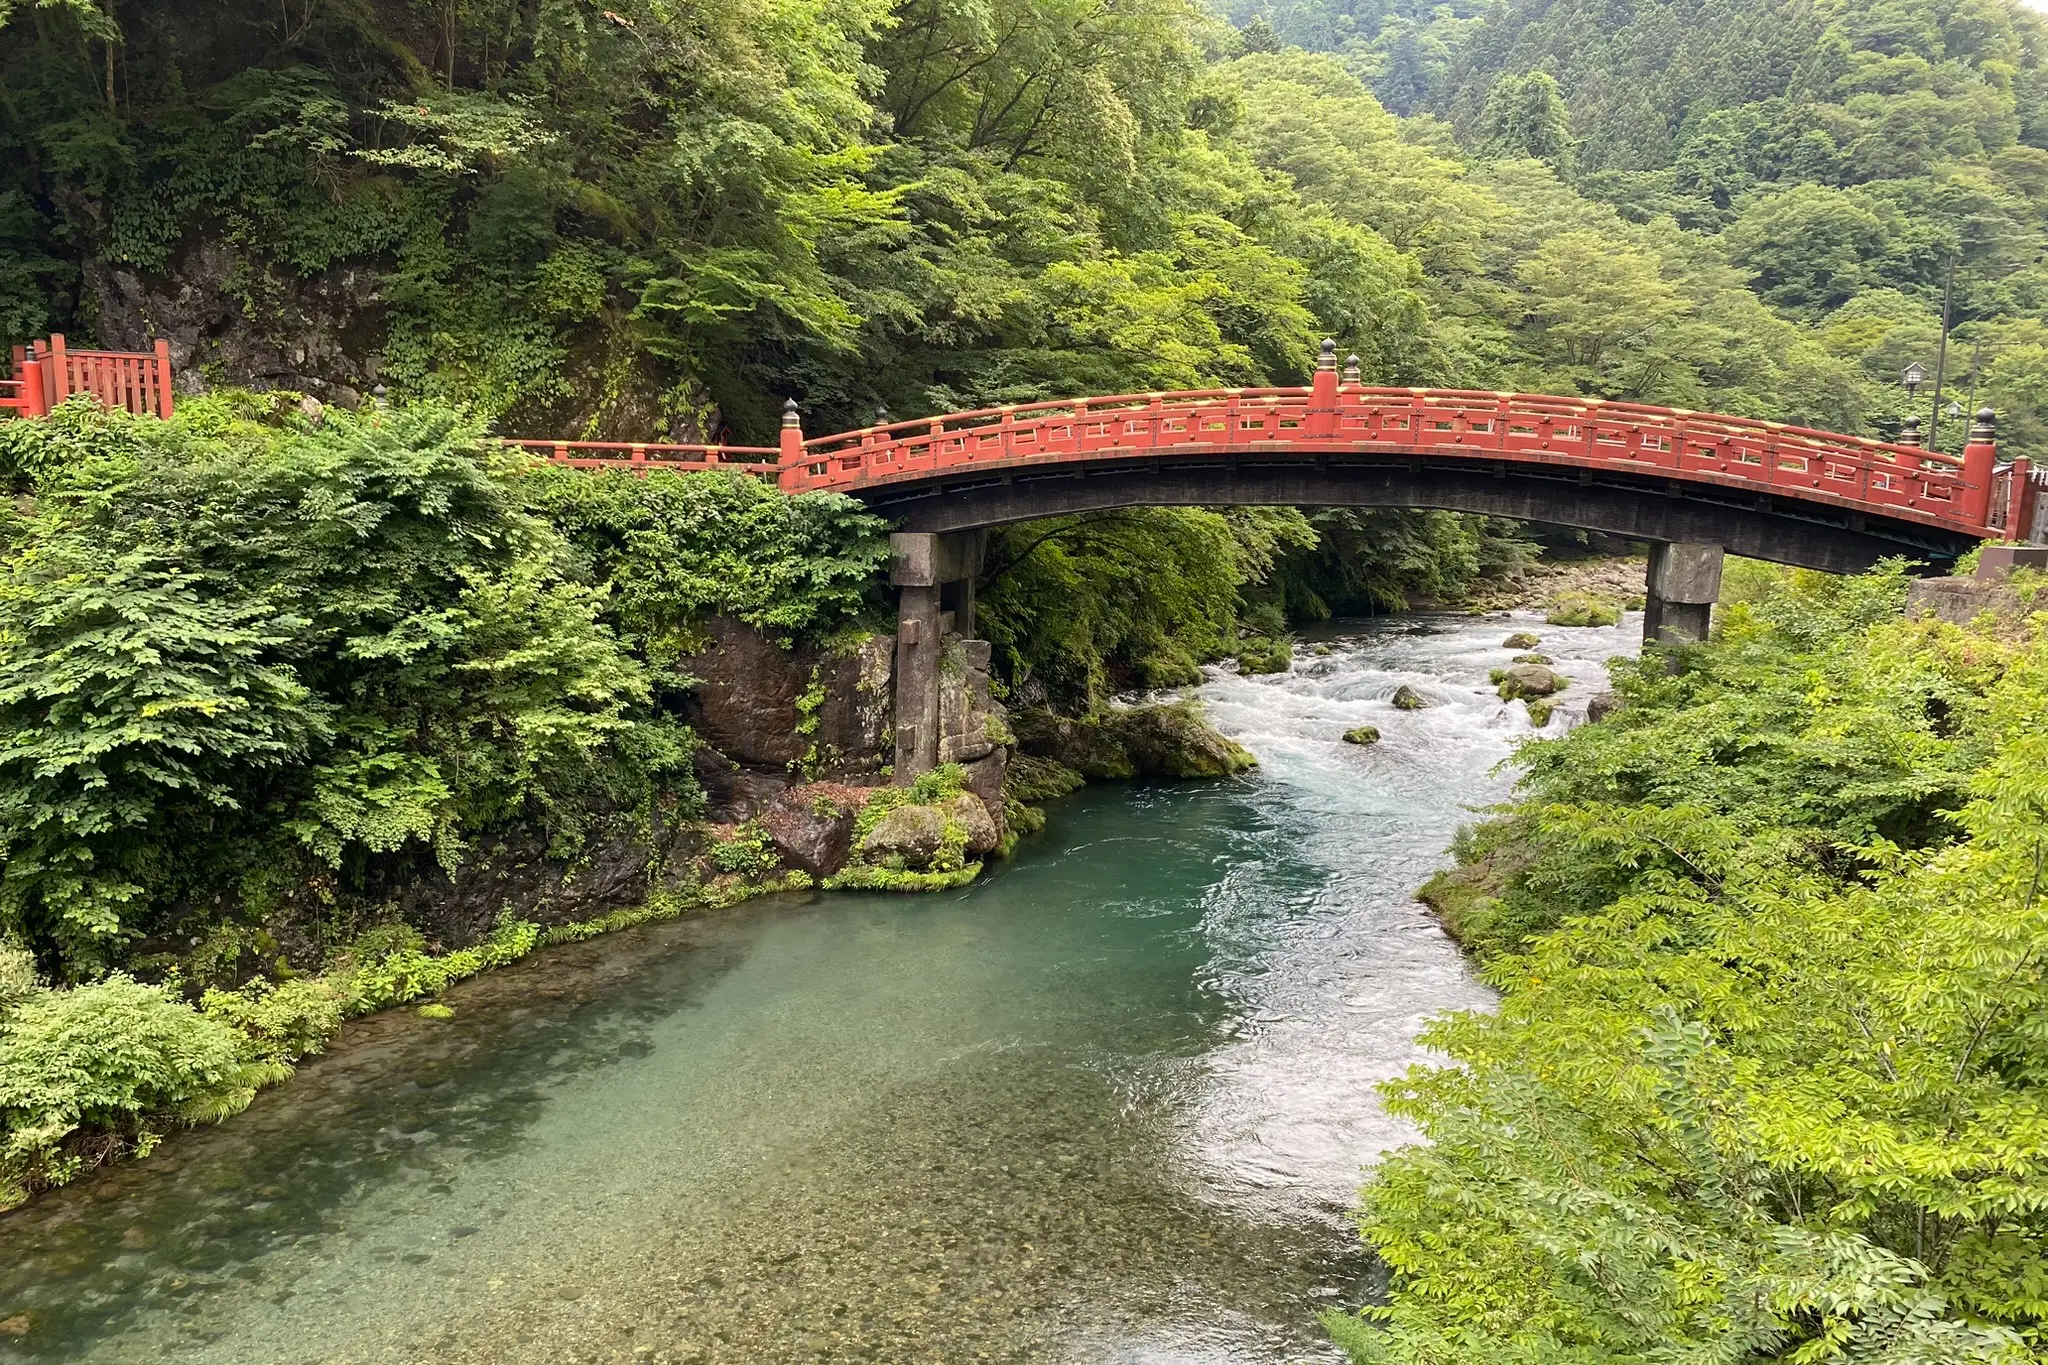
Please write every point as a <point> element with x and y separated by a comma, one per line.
<point>1914,377</point>
<point>1948,290</point>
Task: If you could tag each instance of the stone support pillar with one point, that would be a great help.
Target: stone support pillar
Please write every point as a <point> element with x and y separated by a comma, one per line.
<point>934,578</point>
<point>1684,581</point>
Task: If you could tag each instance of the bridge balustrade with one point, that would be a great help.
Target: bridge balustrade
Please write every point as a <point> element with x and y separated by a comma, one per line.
<point>1898,480</point>
<point>47,372</point>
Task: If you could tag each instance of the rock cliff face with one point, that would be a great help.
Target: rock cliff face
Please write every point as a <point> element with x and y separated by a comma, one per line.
<point>769,717</point>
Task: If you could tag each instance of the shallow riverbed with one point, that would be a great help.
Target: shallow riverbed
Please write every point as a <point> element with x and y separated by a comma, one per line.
<point>1111,1103</point>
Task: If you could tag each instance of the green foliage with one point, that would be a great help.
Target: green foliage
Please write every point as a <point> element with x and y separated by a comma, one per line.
<point>1764,1079</point>
<point>107,1057</point>
<point>747,852</point>
<point>676,548</point>
<point>220,640</point>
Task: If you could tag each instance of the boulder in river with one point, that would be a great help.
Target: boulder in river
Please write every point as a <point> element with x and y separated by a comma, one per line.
<point>1407,698</point>
<point>1364,734</point>
<point>1529,680</point>
<point>1533,659</point>
<point>1540,711</point>
<point>1170,740</point>
<point>1521,639</point>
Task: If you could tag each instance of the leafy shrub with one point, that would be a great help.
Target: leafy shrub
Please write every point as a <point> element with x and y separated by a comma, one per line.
<point>112,1057</point>
<point>1763,1083</point>
<point>284,1021</point>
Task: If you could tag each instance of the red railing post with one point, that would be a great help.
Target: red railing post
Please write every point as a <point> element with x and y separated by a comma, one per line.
<point>1980,458</point>
<point>790,446</point>
<point>1322,394</point>
<point>2019,499</point>
<point>163,378</point>
<point>60,370</point>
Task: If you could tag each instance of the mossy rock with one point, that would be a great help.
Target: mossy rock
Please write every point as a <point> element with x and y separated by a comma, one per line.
<point>1407,698</point>
<point>1529,680</point>
<point>1364,734</point>
<point>912,835</point>
<point>1030,779</point>
<point>1521,639</point>
<point>1174,741</point>
<point>1582,609</point>
<point>1540,711</point>
<point>1261,655</point>
<point>1533,659</point>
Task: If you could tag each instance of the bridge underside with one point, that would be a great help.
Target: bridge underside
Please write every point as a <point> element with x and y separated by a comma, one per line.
<point>1659,510</point>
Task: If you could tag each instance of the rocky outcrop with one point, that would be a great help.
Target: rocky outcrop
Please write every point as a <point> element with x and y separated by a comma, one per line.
<point>1141,741</point>
<point>772,717</point>
<point>812,826</point>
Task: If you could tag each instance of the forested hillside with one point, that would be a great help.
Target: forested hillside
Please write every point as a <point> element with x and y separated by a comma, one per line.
<point>661,218</point>
<point>1841,156</point>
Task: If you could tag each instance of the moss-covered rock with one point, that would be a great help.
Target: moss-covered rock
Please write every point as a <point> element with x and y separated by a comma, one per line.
<point>1032,779</point>
<point>1533,659</point>
<point>1262,655</point>
<point>1540,711</point>
<point>911,835</point>
<point>1085,747</point>
<point>1407,698</point>
<point>1364,734</point>
<point>1521,639</point>
<point>1170,740</point>
<point>1174,741</point>
<point>1583,609</point>
<point>1529,680</point>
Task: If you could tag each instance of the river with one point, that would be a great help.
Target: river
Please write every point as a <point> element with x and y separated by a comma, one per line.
<point>1110,1104</point>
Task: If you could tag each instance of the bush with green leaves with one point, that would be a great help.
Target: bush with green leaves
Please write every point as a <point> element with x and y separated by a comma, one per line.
<point>106,1061</point>
<point>1766,1081</point>
<point>225,644</point>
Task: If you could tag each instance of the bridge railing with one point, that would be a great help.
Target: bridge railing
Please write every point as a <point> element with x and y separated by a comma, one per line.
<point>1532,428</point>
<point>645,455</point>
<point>47,372</point>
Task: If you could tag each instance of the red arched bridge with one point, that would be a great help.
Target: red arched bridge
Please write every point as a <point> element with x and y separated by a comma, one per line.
<point>1692,484</point>
<point>1765,489</point>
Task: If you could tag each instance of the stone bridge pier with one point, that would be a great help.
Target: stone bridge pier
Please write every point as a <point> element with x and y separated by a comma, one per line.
<point>934,575</point>
<point>1684,581</point>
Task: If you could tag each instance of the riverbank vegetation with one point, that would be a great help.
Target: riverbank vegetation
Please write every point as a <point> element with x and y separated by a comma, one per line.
<point>1765,1080</point>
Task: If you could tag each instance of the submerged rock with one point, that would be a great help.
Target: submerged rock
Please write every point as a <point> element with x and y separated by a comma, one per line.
<point>1533,659</point>
<point>1364,734</point>
<point>1407,698</point>
<point>1529,680</point>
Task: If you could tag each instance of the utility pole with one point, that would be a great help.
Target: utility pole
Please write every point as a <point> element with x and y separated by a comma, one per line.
<point>1948,290</point>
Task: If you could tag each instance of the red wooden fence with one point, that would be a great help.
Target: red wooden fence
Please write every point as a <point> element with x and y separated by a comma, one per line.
<point>47,372</point>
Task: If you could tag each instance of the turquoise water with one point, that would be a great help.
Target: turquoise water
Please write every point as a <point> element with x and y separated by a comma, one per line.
<point>1111,1103</point>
